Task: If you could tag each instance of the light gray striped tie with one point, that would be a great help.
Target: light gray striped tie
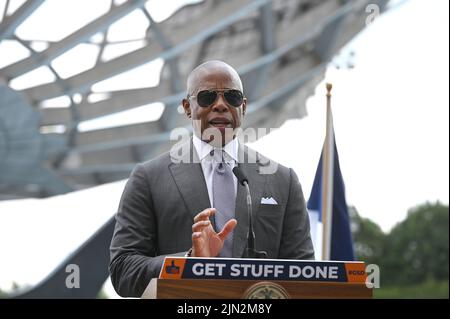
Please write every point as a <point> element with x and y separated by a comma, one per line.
<point>224,198</point>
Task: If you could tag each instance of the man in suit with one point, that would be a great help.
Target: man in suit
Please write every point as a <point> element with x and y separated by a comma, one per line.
<point>192,205</point>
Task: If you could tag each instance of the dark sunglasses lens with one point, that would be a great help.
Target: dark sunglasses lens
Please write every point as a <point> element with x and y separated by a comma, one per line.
<point>234,97</point>
<point>206,98</point>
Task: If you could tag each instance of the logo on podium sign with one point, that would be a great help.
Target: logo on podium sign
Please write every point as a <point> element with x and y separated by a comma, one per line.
<point>266,290</point>
<point>173,269</point>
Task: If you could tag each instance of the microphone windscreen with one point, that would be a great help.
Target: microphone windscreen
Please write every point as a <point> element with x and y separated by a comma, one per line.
<point>240,175</point>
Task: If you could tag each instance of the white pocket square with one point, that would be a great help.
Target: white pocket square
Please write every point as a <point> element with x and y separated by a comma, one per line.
<point>268,201</point>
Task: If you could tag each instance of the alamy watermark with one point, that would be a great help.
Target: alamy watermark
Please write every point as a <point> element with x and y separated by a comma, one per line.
<point>73,279</point>
<point>373,11</point>
<point>181,151</point>
<point>373,276</point>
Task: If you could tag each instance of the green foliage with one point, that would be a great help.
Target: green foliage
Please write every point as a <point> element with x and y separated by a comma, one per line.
<point>413,257</point>
<point>426,290</point>
<point>416,249</point>
<point>368,238</point>
<point>3,294</point>
<point>6,294</point>
<point>102,295</point>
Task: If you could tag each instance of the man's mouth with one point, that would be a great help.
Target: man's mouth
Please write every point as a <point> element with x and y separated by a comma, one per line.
<point>220,122</point>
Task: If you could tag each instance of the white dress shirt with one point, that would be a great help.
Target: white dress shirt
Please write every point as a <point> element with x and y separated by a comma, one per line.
<point>203,151</point>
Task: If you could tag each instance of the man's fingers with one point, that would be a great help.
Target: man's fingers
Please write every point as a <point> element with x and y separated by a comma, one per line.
<point>204,214</point>
<point>196,235</point>
<point>227,229</point>
<point>196,241</point>
<point>198,226</point>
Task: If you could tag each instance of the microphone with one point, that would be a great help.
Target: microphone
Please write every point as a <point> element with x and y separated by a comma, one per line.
<point>250,251</point>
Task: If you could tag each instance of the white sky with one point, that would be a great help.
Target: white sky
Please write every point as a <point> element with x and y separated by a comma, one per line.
<point>391,125</point>
<point>390,116</point>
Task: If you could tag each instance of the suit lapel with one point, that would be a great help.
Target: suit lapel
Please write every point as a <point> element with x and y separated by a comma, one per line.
<point>188,177</point>
<point>256,183</point>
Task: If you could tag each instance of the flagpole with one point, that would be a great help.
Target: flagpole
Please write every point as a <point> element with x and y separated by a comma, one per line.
<point>327,179</point>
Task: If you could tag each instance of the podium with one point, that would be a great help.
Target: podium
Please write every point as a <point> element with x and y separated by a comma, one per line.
<point>227,278</point>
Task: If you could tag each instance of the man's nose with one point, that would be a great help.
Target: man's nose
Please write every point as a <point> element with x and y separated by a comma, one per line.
<point>220,105</point>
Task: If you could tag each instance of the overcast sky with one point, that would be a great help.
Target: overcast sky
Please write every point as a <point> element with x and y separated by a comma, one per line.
<point>390,116</point>
<point>391,126</point>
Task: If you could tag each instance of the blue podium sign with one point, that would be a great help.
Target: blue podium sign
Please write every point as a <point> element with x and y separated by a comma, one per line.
<point>262,269</point>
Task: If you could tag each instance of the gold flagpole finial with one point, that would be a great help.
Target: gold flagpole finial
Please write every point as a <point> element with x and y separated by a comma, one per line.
<point>329,87</point>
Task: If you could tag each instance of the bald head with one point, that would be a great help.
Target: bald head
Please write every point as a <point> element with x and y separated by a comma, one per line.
<point>211,67</point>
<point>224,108</point>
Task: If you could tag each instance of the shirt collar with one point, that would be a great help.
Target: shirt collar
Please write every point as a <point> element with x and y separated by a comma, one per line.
<point>203,148</point>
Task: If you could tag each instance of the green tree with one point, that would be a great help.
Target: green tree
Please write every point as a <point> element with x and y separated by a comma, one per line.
<point>368,238</point>
<point>102,294</point>
<point>6,294</point>
<point>416,250</point>
<point>413,256</point>
<point>3,294</point>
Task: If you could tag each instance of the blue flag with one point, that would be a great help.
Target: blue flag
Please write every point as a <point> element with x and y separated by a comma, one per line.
<point>341,245</point>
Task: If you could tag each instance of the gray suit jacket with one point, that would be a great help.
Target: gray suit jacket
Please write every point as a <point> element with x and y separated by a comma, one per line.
<point>161,198</point>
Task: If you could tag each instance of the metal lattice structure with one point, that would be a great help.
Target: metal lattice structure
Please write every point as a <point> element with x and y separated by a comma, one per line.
<point>280,48</point>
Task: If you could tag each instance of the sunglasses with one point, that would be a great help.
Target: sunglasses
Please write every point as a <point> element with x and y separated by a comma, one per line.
<point>207,98</point>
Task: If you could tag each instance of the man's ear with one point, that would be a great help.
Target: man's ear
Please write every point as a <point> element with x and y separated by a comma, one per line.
<point>187,107</point>
<point>244,106</point>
